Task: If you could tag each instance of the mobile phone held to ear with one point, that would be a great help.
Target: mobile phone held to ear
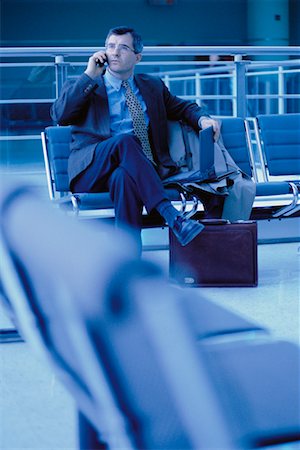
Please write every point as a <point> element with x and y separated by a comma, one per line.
<point>99,63</point>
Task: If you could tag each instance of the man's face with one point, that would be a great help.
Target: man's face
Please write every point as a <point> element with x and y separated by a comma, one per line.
<point>121,56</point>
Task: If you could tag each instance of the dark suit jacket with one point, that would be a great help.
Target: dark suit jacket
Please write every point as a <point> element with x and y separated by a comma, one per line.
<point>83,104</point>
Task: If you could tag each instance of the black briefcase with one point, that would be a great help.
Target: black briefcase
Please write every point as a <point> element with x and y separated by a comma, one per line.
<point>223,254</point>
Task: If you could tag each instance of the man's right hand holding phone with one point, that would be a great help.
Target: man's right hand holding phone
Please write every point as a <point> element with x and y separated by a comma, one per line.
<point>95,65</point>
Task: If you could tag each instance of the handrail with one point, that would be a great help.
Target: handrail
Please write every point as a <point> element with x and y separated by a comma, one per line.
<point>237,69</point>
<point>157,50</point>
<point>187,65</point>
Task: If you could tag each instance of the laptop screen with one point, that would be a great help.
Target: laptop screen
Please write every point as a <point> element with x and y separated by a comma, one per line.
<point>206,149</point>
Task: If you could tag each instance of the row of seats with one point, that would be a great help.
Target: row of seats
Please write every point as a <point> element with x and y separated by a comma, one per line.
<point>275,153</point>
<point>150,365</point>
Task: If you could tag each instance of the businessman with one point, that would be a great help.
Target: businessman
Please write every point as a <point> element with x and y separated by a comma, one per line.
<point>119,131</point>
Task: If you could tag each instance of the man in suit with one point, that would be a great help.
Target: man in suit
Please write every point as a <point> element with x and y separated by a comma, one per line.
<point>110,148</point>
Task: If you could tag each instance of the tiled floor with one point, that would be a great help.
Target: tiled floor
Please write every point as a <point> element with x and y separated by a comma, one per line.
<point>36,413</point>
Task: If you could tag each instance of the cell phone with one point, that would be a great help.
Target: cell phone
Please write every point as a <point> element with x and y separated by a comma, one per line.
<point>99,63</point>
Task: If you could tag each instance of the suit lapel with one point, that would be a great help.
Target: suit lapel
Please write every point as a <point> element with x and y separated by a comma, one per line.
<point>147,94</point>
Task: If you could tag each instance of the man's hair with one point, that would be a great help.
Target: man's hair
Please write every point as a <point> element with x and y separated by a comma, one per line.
<point>136,38</point>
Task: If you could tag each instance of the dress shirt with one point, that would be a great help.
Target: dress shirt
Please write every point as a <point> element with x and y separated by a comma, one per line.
<point>120,119</point>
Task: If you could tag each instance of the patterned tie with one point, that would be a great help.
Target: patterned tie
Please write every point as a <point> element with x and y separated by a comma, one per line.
<point>138,119</point>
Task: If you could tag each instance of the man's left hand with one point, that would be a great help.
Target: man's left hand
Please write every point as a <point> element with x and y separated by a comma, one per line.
<point>206,122</point>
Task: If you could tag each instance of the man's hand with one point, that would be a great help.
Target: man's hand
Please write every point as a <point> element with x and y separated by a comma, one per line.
<point>206,122</point>
<point>95,67</point>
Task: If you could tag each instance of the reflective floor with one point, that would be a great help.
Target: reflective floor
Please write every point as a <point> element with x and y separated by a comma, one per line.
<point>37,413</point>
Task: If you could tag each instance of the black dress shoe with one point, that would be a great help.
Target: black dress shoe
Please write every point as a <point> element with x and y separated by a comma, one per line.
<point>186,230</point>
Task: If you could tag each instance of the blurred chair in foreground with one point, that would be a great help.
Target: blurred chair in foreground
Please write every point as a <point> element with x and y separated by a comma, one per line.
<point>125,342</point>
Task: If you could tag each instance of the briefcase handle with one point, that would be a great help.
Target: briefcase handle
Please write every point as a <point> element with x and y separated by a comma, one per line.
<point>214,221</point>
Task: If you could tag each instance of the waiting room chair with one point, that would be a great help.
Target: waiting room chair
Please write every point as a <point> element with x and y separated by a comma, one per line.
<point>124,342</point>
<point>278,142</point>
<point>237,140</point>
<point>56,142</point>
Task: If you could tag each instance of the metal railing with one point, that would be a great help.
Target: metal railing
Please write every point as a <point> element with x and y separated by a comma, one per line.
<point>251,80</point>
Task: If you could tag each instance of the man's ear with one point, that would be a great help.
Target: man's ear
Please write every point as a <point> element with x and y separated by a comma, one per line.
<point>138,57</point>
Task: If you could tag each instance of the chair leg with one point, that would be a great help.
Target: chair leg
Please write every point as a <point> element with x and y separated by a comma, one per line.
<point>292,207</point>
<point>88,436</point>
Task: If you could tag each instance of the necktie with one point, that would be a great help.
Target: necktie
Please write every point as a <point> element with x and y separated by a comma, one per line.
<point>138,119</point>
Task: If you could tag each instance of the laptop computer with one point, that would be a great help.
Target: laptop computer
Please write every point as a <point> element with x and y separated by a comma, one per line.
<point>206,149</point>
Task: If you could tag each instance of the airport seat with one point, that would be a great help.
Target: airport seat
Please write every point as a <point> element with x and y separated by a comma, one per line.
<point>56,149</point>
<point>125,344</point>
<point>237,140</point>
<point>234,134</point>
<point>183,145</point>
<point>278,140</point>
